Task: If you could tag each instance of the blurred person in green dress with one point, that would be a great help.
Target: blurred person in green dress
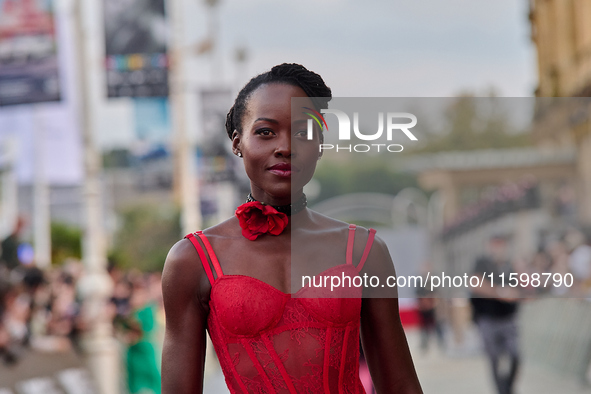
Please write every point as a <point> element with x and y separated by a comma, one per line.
<point>143,374</point>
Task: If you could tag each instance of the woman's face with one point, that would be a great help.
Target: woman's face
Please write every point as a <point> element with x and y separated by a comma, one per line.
<point>278,157</point>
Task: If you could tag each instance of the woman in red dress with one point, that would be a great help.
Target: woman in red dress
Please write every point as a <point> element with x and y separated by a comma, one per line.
<point>234,279</point>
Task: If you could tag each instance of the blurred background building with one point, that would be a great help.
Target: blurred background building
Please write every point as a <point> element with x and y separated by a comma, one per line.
<point>555,163</point>
<point>563,38</point>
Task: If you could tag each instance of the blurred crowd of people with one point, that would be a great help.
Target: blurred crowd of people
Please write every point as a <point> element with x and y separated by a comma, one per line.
<point>560,254</point>
<point>562,265</point>
<point>39,309</point>
<point>42,310</point>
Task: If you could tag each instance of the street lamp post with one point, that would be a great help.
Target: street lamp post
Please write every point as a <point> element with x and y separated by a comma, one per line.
<point>185,180</point>
<point>9,188</point>
<point>95,286</point>
<point>42,217</point>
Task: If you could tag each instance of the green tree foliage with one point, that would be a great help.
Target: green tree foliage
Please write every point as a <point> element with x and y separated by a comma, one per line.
<point>471,123</point>
<point>117,158</point>
<point>146,234</point>
<point>65,242</point>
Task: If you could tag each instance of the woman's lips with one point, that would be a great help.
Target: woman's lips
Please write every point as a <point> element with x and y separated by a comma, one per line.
<point>282,169</point>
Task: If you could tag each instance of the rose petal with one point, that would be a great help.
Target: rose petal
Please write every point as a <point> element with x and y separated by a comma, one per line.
<point>256,219</point>
<point>277,223</point>
<point>257,222</point>
<point>250,235</point>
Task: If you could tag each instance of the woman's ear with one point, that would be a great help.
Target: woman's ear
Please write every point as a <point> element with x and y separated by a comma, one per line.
<point>236,143</point>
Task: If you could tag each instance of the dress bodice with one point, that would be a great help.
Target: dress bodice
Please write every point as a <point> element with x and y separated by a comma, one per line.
<point>269,341</point>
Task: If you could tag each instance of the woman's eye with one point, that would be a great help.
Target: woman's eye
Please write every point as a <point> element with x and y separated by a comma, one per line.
<point>264,132</point>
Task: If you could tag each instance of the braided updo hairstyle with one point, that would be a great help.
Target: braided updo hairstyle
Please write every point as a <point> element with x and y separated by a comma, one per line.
<point>288,73</point>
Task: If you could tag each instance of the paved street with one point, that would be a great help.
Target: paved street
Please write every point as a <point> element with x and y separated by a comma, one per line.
<point>46,373</point>
<point>439,374</point>
<point>442,374</point>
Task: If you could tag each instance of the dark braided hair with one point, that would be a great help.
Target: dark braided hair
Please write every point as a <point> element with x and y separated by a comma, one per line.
<point>287,73</point>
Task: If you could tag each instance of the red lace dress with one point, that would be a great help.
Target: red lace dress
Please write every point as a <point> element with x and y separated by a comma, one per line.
<point>270,342</point>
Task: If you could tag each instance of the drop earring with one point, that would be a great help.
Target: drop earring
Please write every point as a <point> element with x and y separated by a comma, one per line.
<point>239,154</point>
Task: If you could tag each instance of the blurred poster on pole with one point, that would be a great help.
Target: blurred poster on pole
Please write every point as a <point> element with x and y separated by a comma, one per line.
<point>28,54</point>
<point>136,40</point>
<point>53,125</point>
<point>62,155</point>
<point>152,119</point>
<point>215,149</point>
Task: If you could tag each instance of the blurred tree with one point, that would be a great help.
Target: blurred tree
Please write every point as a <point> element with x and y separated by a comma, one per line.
<point>65,242</point>
<point>374,176</point>
<point>146,234</point>
<point>467,123</point>
<point>117,158</point>
<point>472,123</point>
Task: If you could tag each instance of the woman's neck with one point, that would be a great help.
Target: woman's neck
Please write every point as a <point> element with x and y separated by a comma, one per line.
<point>265,198</point>
<point>294,207</point>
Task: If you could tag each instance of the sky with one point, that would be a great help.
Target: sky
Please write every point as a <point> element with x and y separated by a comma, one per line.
<point>390,48</point>
<point>374,48</point>
<point>379,48</point>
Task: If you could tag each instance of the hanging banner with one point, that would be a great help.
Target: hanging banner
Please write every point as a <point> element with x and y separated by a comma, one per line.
<point>216,158</point>
<point>52,126</point>
<point>28,55</point>
<point>55,130</point>
<point>135,40</point>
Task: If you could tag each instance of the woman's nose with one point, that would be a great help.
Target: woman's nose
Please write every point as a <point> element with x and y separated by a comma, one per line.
<point>283,147</point>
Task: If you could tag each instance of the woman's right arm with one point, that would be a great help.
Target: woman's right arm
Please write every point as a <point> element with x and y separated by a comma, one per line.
<point>183,355</point>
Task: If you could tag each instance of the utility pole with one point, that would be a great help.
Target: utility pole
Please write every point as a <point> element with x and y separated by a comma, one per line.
<point>42,217</point>
<point>213,37</point>
<point>96,285</point>
<point>240,59</point>
<point>185,180</point>
<point>9,189</point>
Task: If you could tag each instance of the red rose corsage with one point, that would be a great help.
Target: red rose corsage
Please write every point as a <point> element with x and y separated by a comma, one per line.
<point>256,219</point>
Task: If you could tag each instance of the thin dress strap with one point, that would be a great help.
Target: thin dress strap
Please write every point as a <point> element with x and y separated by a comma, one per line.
<point>350,242</point>
<point>211,253</point>
<point>372,235</point>
<point>203,257</point>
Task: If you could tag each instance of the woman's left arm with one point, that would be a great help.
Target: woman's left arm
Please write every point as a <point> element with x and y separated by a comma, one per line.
<point>382,336</point>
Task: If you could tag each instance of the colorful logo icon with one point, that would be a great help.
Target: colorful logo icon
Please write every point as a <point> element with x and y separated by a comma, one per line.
<point>317,117</point>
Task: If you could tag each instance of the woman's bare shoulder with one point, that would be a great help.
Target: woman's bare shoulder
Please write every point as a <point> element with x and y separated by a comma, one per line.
<point>182,267</point>
<point>326,223</point>
<point>184,258</point>
<point>339,229</point>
